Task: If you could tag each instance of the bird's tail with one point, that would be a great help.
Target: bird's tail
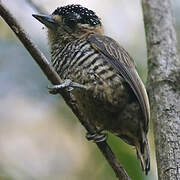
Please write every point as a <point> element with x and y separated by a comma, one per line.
<point>142,149</point>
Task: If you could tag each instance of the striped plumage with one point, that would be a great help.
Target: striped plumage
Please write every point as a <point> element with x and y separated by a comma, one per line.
<point>72,55</point>
<point>115,98</point>
<point>78,61</point>
<point>76,56</point>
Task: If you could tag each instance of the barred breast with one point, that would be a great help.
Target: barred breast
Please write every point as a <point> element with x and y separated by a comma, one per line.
<point>79,62</point>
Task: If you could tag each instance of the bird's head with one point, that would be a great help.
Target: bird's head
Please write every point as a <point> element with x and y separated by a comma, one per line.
<point>70,22</point>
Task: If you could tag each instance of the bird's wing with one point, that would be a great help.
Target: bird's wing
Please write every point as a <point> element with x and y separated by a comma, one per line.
<point>120,60</point>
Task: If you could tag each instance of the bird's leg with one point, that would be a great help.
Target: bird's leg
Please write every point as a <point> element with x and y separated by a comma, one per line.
<point>97,136</point>
<point>68,85</point>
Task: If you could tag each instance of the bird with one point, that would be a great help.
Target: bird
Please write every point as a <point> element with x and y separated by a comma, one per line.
<point>114,98</point>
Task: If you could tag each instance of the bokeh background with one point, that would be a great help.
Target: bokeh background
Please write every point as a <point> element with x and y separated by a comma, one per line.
<point>40,138</point>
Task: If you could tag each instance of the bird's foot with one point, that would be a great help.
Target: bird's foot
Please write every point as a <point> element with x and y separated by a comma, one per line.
<point>68,85</point>
<point>97,136</point>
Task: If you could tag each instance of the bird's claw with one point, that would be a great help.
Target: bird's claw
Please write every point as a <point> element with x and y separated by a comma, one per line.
<point>96,137</point>
<point>68,85</point>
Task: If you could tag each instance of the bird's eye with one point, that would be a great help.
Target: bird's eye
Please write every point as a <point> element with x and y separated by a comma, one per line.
<point>71,22</point>
<point>72,19</point>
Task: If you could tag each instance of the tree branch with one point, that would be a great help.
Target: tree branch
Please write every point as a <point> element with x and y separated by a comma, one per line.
<point>37,7</point>
<point>163,85</point>
<point>55,79</point>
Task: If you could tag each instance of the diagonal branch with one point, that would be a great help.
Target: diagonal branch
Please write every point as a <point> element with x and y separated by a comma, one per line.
<point>55,79</point>
<point>37,7</point>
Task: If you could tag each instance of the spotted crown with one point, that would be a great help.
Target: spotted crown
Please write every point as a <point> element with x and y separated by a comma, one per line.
<point>83,15</point>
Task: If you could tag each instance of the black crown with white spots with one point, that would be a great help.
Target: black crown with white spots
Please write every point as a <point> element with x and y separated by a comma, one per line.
<point>77,14</point>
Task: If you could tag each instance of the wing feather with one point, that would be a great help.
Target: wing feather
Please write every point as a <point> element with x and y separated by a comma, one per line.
<point>120,60</point>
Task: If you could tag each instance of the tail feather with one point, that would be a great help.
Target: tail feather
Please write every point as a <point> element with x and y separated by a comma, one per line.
<point>142,149</point>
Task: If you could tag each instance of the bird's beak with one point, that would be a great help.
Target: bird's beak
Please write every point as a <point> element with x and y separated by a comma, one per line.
<point>47,20</point>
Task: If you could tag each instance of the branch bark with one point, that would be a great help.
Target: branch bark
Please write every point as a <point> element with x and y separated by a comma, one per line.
<point>163,85</point>
<point>55,79</point>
